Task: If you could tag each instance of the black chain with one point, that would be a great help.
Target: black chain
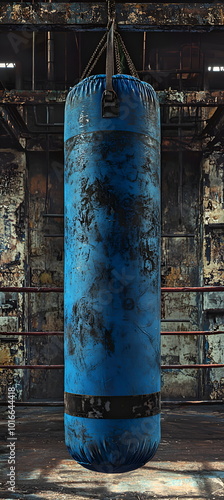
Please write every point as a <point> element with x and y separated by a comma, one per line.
<point>130,63</point>
<point>95,57</point>
<point>117,55</point>
<point>118,43</point>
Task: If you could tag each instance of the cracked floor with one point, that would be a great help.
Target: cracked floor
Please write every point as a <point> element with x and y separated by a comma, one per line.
<point>188,465</point>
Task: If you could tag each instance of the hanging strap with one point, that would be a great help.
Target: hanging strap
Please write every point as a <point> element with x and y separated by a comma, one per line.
<point>110,107</point>
<point>113,44</point>
<point>110,59</point>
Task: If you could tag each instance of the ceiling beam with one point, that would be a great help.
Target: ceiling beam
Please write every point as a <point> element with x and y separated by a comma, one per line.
<point>130,16</point>
<point>11,127</point>
<point>200,98</point>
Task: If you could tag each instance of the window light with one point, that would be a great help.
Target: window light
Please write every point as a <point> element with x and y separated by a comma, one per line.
<point>216,68</point>
<point>7,65</point>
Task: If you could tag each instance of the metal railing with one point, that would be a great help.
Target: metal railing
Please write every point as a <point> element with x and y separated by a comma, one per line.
<point>201,289</point>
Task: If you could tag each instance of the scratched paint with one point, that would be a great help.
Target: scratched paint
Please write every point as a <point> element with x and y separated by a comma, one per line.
<point>45,183</point>
<point>180,266</point>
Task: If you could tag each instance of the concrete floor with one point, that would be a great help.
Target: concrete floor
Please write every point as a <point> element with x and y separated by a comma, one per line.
<point>188,465</point>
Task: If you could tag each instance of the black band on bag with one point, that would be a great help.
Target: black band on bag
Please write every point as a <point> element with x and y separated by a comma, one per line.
<point>112,407</point>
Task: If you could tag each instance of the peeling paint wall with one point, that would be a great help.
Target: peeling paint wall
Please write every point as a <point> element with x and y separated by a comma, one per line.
<point>45,181</point>
<point>32,255</point>
<point>213,268</point>
<point>13,252</point>
<point>29,188</point>
<point>180,267</point>
<point>192,191</point>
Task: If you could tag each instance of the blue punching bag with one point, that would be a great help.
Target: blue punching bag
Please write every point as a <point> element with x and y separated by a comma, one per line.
<point>112,275</point>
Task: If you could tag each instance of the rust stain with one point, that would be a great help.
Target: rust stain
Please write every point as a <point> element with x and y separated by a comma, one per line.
<point>46,278</point>
<point>218,389</point>
<point>5,356</point>
<point>174,276</point>
<point>38,184</point>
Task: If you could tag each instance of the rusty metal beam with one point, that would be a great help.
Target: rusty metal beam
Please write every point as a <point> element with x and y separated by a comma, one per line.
<point>196,366</point>
<point>213,132</point>
<point>199,98</point>
<point>164,403</point>
<point>30,97</point>
<point>11,127</point>
<point>31,367</point>
<point>176,332</point>
<point>32,289</point>
<point>60,367</point>
<point>197,332</point>
<point>166,97</point>
<point>202,289</point>
<point>59,289</point>
<point>31,333</point>
<point>185,143</point>
<point>33,403</point>
<point>130,16</point>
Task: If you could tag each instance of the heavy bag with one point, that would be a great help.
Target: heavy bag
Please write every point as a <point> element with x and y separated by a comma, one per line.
<point>112,276</point>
